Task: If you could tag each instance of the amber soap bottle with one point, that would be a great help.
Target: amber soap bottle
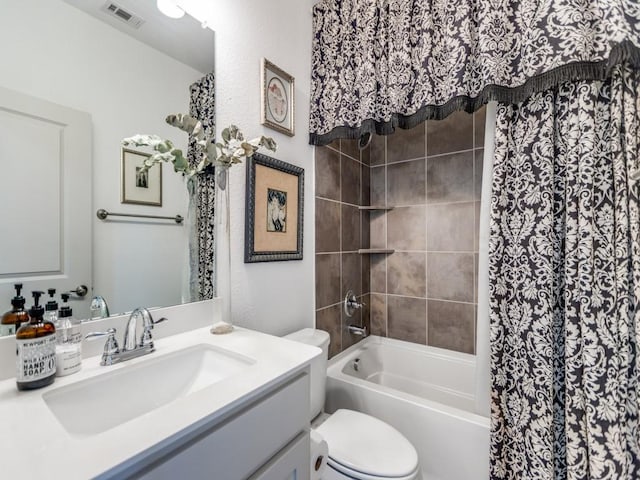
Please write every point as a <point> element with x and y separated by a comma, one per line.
<point>35,349</point>
<point>15,317</point>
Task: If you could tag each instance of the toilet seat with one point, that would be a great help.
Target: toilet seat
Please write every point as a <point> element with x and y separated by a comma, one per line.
<point>365,448</point>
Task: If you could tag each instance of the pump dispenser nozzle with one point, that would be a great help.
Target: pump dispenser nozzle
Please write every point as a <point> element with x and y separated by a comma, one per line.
<point>18,301</point>
<point>52,304</point>
<point>65,309</point>
<point>36,311</point>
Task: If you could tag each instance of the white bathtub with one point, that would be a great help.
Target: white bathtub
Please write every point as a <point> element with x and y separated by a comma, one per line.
<point>426,393</point>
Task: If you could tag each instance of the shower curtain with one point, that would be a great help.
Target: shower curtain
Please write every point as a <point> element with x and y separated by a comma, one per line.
<point>564,268</point>
<point>202,202</point>
<point>564,279</point>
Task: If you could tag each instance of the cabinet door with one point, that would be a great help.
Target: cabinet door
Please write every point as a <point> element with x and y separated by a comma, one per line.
<point>292,463</point>
<point>240,445</point>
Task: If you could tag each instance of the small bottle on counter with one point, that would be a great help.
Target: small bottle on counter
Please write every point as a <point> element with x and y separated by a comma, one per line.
<point>35,349</point>
<point>51,308</point>
<point>68,341</point>
<point>15,317</point>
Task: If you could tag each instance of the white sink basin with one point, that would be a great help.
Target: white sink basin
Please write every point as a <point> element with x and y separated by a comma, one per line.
<point>98,404</point>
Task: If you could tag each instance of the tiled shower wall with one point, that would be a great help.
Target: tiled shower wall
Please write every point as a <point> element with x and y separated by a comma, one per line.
<point>342,185</point>
<point>424,292</point>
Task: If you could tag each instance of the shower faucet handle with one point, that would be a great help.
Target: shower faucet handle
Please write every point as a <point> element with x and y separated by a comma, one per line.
<point>351,303</point>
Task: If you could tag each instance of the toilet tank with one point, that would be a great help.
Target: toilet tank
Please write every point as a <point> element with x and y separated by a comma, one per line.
<point>318,376</point>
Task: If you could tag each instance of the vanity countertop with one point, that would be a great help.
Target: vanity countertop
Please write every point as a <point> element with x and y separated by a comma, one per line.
<point>34,444</point>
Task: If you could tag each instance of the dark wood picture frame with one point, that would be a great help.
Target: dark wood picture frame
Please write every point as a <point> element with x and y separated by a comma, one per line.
<point>274,210</point>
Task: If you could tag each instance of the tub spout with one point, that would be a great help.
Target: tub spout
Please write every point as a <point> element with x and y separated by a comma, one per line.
<point>355,330</point>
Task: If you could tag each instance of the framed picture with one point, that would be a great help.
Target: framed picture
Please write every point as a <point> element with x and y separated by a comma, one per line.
<point>140,187</point>
<point>277,98</point>
<point>274,210</point>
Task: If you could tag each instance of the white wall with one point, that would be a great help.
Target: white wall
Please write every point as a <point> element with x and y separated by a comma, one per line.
<point>55,52</point>
<point>274,297</point>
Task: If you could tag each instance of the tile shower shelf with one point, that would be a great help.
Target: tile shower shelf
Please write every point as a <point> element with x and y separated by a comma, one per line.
<point>375,208</point>
<point>365,251</point>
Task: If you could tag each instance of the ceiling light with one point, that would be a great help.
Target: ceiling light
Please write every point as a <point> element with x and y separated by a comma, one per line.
<point>170,8</point>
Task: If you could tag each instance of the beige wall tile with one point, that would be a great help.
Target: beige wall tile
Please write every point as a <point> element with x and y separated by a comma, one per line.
<point>350,147</point>
<point>351,274</point>
<point>406,274</point>
<point>378,314</point>
<point>450,227</point>
<point>350,228</point>
<point>453,134</point>
<point>406,228</point>
<point>329,320</point>
<point>479,126</point>
<point>327,226</point>
<point>327,173</point>
<point>450,276</point>
<point>378,150</point>
<point>378,264</point>
<point>377,188</point>
<point>407,319</point>
<point>451,325</point>
<point>450,178</point>
<point>327,279</point>
<point>350,183</point>
<point>406,183</point>
<point>406,144</point>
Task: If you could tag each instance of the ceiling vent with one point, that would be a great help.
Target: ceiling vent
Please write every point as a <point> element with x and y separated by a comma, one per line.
<point>128,17</point>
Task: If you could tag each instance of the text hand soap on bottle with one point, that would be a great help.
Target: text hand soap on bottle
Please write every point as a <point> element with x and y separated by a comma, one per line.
<point>69,341</point>
<point>35,349</point>
<point>15,317</point>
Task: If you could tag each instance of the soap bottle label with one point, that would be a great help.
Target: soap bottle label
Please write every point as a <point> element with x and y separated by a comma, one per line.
<point>68,360</point>
<point>68,350</point>
<point>36,358</point>
<point>6,330</point>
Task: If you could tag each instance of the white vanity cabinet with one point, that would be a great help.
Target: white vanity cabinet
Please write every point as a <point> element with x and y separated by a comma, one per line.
<point>266,438</point>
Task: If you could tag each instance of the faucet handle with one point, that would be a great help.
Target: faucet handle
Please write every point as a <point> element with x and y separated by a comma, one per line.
<point>111,347</point>
<point>351,303</point>
<point>147,338</point>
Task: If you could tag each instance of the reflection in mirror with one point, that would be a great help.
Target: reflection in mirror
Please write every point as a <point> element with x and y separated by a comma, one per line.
<point>67,57</point>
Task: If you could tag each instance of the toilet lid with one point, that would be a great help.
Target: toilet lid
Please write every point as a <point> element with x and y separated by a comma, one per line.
<point>362,443</point>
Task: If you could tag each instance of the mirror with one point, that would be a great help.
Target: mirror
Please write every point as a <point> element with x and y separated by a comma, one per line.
<point>63,55</point>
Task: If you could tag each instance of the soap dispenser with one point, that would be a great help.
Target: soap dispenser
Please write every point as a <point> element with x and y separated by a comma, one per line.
<point>51,309</point>
<point>15,317</point>
<point>35,349</point>
<point>68,341</point>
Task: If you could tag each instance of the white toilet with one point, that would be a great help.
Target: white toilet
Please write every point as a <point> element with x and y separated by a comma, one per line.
<point>361,447</point>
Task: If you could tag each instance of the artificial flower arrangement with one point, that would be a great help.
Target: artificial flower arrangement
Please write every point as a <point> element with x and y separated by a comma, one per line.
<point>233,148</point>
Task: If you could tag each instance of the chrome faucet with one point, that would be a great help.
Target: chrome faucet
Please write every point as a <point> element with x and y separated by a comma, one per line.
<point>131,348</point>
<point>99,307</point>
<point>356,330</point>
<point>351,303</point>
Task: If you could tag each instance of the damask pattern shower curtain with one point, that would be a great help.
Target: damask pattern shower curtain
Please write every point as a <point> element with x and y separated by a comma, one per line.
<point>564,267</point>
<point>201,239</point>
<point>382,64</point>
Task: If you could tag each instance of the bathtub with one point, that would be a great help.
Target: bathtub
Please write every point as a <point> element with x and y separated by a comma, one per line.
<point>426,393</point>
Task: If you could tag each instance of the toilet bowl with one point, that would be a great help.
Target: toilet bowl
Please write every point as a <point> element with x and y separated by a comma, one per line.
<point>361,447</point>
